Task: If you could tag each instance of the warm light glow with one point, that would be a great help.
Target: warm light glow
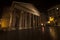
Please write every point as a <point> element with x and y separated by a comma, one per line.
<point>57,8</point>
<point>42,24</point>
<point>48,21</point>
<point>51,19</point>
<point>52,32</point>
<point>4,23</point>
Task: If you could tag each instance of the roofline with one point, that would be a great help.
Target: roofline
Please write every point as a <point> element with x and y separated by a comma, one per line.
<point>27,8</point>
<point>53,7</point>
<point>21,2</point>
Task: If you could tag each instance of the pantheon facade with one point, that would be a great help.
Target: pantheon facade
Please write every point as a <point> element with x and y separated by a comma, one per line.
<point>21,16</point>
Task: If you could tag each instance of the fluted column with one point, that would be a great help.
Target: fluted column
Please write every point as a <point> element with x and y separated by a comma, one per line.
<point>33,22</point>
<point>20,22</point>
<point>26,20</point>
<point>29,20</point>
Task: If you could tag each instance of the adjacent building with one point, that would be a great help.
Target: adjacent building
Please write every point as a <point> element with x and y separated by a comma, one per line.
<point>55,13</point>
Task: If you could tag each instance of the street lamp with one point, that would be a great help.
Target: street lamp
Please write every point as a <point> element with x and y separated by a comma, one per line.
<point>57,8</point>
<point>42,24</point>
<point>51,18</point>
<point>48,22</point>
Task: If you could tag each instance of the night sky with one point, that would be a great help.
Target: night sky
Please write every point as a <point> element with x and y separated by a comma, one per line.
<point>41,5</point>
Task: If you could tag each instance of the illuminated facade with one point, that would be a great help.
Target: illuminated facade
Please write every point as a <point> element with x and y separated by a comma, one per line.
<point>22,16</point>
<point>55,12</point>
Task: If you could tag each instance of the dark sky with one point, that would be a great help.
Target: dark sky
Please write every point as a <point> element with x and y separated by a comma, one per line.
<point>40,4</point>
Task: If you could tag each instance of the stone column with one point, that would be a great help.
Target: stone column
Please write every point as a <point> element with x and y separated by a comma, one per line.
<point>20,22</point>
<point>30,20</point>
